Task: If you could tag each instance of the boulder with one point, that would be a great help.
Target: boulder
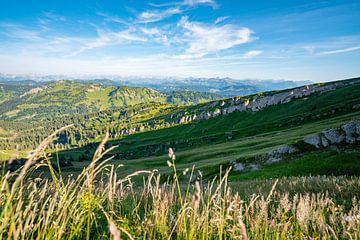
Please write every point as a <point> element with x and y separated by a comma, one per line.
<point>324,142</point>
<point>277,154</point>
<point>333,135</point>
<point>313,140</point>
<point>349,130</point>
<point>237,166</point>
<point>357,124</point>
<point>286,149</point>
<point>356,106</point>
<point>254,167</point>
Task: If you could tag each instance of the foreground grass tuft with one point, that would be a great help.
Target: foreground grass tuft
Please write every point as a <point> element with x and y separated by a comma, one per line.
<point>100,205</point>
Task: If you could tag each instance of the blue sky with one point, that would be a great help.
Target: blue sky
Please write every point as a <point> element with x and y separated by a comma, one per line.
<point>298,40</point>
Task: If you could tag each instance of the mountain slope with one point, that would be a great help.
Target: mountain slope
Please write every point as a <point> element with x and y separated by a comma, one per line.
<point>238,129</point>
<point>70,98</point>
<point>237,136</point>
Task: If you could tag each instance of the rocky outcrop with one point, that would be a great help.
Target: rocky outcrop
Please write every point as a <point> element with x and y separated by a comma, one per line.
<point>273,156</point>
<point>333,136</point>
<point>346,134</point>
<point>256,103</point>
<point>314,140</point>
<point>278,154</point>
<point>242,167</point>
<point>32,91</point>
<point>356,106</point>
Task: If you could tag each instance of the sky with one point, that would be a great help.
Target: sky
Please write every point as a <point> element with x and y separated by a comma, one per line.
<point>294,40</point>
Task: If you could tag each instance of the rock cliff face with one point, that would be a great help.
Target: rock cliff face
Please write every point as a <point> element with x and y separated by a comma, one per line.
<point>253,103</point>
<point>346,134</point>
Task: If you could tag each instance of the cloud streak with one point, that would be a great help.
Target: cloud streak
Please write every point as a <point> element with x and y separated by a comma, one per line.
<point>343,50</point>
<point>150,16</point>
<point>220,19</point>
<point>106,38</point>
<point>174,8</point>
<point>189,3</point>
<point>20,32</point>
<point>253,53</point>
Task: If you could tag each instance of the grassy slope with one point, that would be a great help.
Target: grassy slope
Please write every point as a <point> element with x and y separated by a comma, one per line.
<point>7,92</point>
<point>207,143</point>
<point>329,162</point>
<point>244,124</point>
<point>68,97</point>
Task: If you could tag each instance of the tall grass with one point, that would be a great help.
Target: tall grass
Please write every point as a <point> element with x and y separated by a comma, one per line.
<point>98,204</point>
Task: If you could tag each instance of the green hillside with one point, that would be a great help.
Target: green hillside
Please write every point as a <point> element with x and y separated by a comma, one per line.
<point>241,136</point>
<point>9,91</point>
<point>70,98</point>
<point>145,129</point>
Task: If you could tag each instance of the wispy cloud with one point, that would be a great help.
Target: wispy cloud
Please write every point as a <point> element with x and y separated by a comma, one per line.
<point>343,50</point>
<point>220,19</point>
<point>54,17</point>
<point>157,15</point>
<point>198,2</point>
<point>174,8</point>
<point>106,38</point>
<point>150,31</point>
<point>20,32</point>
<point>253,53</point>
<point>204,39</point>
<point>47,18</point>
<point>112,18</point>
<point>186,3</point>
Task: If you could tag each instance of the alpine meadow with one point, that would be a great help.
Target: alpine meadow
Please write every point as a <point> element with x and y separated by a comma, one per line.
<point>189,119</point>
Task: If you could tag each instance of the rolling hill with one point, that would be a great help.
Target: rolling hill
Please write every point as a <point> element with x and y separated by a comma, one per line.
<point>233,131</point>
<point>64,97</point>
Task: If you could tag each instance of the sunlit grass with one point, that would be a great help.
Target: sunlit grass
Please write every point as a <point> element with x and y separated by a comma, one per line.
<point>98,204</point>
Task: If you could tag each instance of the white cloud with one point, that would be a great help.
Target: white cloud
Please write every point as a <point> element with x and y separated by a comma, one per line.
<point>47,18</point>
<point>112,18</point>
<point>150,31</point>
<point>174,8</point>
<point>106,38</point>
<point>343,50</point>
<point>157,15</point>
<point>19,32</point>
<point>198,2</point>
<point>186,3</point>
<point>253,53</point>
<point>54,17</point>
<point>220,19</point>
<point>204,39</point>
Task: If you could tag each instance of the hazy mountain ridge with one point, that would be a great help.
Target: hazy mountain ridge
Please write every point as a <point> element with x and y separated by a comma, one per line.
<point>226,87</point>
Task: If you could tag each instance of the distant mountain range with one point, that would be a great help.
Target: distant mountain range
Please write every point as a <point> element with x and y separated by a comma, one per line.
<point>225,87</point>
